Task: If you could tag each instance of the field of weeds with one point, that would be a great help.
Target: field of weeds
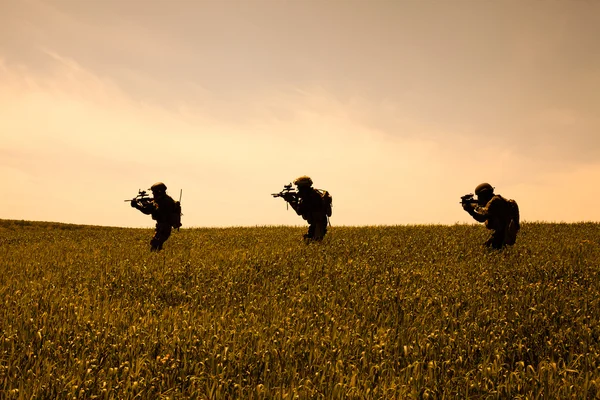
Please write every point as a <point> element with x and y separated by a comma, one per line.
<point>372,312</point>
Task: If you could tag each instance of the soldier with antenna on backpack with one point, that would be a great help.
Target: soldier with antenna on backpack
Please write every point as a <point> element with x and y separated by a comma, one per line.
<point>164,210</point>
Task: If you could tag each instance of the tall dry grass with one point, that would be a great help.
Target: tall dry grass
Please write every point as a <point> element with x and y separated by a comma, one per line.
<point>372,312</point>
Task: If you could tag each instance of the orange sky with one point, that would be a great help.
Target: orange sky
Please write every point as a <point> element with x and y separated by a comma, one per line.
<point>396,107</point>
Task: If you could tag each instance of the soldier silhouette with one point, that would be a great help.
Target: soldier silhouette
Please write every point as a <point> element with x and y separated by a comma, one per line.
<point>499,215</point>
<point>164,210</point>
<point>312,205</point>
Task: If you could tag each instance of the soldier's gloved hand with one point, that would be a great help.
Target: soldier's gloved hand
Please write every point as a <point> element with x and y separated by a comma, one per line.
<point>468,207</point>
<point>133,203</point>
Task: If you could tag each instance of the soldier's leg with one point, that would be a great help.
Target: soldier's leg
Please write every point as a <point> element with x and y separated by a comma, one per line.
<point>320,228</point>
<point>165,233</point>
<point>311,232</point>
<point>511,233</point>
<point>497,239</point>
<point>162,233</point>
<point>154,243</point>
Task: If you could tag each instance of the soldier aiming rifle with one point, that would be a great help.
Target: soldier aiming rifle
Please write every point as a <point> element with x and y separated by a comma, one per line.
<point>163,209</point>
<point>313,205</point>
<point>499,215</point>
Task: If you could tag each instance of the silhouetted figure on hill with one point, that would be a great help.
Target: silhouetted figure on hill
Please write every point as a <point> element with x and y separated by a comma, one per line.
<point>499,214</point>
<point>164,210</point>
<point>313,205</point>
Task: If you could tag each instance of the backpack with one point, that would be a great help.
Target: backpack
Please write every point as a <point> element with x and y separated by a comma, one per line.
<point>176,214</point>
<point>514,224</point>
<point>327,201</point>
<point>514,207</point>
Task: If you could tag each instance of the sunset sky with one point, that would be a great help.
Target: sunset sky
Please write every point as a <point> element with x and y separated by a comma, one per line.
<point>396,107</point>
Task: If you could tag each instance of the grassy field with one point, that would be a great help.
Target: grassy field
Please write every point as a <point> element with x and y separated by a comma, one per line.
<point>372,312</point>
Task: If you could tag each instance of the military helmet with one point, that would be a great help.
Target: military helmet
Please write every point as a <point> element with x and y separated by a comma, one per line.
<point>484,187</point>
<point>158,187</point>
<point>303,181</point>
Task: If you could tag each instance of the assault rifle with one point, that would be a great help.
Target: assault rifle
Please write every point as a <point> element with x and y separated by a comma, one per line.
<point>141,197</point>
<point>288,194</point>
<point>468,199</point>
<point>288,191</point>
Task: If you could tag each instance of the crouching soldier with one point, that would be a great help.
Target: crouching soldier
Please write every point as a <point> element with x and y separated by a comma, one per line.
<point>314,206</point>
<point>163,209</point>
<point>499,215</point>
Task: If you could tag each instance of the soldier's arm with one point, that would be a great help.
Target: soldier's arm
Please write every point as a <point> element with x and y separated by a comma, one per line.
<point>296,207</point>
<point>147,207</point>
<point>478,213</point>
<point>293,202</point>
<point>488,211</point>
<point>479,217</point>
